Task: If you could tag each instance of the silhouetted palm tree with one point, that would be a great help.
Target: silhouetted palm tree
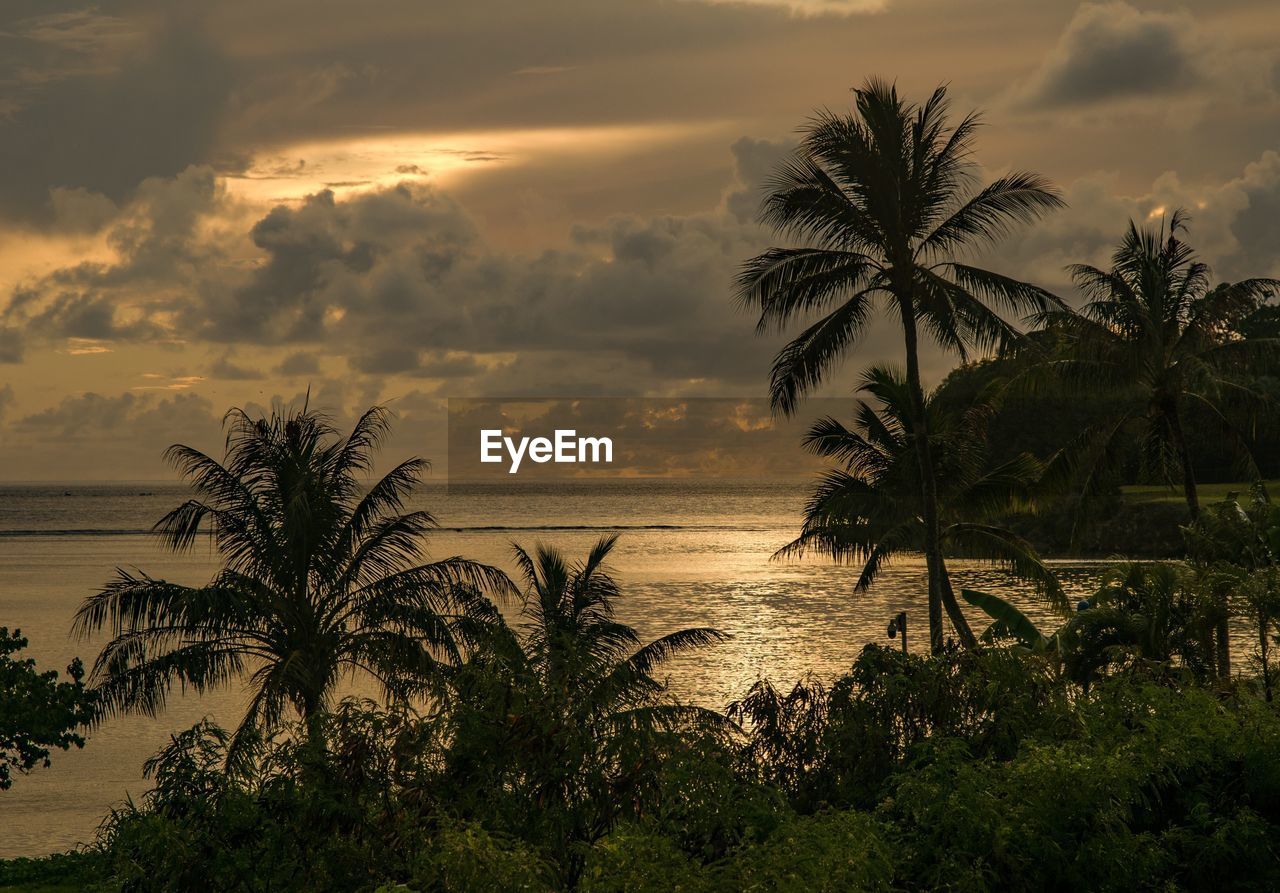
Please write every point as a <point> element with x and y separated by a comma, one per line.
<point>868,509</point>
<point>562,710</point>
<point>882,201</point>
<point>1154,328</point>
<point>320,578</point>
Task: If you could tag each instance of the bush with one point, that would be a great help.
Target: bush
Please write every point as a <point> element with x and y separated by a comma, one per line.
<point>1154,795</point>
<point>74,871</point>
<point>462,857</point>
<point>838,747</point>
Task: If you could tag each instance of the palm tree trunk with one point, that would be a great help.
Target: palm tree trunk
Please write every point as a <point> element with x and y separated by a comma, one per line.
<point>954,612</point>
<point>940,592</point>
<point>1189,491</point>
<point>1264,649</point>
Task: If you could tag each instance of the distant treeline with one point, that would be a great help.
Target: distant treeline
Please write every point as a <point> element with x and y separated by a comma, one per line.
<point>1042,422</point>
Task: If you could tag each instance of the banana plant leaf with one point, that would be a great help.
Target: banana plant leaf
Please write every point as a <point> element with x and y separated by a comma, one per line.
<point>1007,621</point>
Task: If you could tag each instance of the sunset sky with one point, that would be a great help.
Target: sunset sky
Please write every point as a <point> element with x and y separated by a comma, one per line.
<point>225,203</point>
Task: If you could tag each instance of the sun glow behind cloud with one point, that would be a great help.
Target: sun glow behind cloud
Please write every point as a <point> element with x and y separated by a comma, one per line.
<point>368,162</point>
<point>815,7</point>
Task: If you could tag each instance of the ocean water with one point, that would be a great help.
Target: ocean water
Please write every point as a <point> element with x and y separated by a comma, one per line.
<point>690,554</point>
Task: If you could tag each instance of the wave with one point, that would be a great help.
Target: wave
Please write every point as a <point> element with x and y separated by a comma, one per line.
<point>484,528</point>
<point>499,528</point>
<point>93,531</point>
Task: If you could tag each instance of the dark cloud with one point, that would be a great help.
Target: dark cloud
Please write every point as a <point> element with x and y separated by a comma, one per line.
<point>104,438</point>
<point>159,247</point>
<point>6,399</point>
<point>301,363</point>
<point>388,361</point>
<point>11,344</point>
<point>103,103</point>
<point>1256,227</point>
<point>1112,50</point>
<point>756,162</point>
<point>400,281</point>
<point>226,369</point>
<point>1232,225</point>
<point>326,255</point>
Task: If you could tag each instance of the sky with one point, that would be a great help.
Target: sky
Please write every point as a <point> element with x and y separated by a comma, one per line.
<point>207,205</point>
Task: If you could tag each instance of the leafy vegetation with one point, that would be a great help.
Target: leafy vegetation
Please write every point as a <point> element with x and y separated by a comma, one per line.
<point>1153,327</point>
<point>320,578</point>
<point>37,712</point>
<point>868,509</point>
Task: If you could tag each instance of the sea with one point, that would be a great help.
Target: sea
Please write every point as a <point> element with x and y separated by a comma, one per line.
<point>689,554</point>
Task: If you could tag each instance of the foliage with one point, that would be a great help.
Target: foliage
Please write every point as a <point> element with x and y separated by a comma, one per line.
<point>37,712</point>
<point>1159,792</point>
<point>980,769</point>
<point>320,578</point>
<point>461,858</point>
<point>296,811</point>
<point>837,747</point>
<point>830,851</point>
<point>868,509</point>
<point>1154,329</point>
<point>1007,622</point>
<point>73,872</point>
<point>1237,552</point>
<point>1144,617</point>
<point>567,712</point>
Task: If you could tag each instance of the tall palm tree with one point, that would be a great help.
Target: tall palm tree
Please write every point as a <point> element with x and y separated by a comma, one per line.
<point>562,710</point>
<point>883,201</point>
<point>1154,328</point>
<point>320,579</point>
<point>867,510</point>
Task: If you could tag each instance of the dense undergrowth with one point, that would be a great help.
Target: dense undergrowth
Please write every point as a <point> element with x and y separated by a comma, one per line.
<point>982,770</point>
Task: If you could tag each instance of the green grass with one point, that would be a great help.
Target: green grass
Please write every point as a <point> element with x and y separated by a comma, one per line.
<point>1208,492</point>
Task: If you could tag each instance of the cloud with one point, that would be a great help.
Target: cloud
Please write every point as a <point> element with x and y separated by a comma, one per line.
<point>11,343</point>
<point>1256,228</point>
<point>324,257</point>
<point>816,7</point>
<point>6,399</point>
<point>400,281</point>
<point>1113,54</point>
<point>102,437</point>
<point>226,369</point>
<point>1233,225</point>
<point>159,246</point>
<point>1112,50</point>
<point>755,161</point>
<point>100,97</point>
<point>102,104</point>
<point>300,363</point>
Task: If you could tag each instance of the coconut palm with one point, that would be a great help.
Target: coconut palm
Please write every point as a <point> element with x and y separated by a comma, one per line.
<point>320,579</point>
<point>566,709</point>
<point>1152,327</point>
<point>883,201</point>
<point>867,510</point>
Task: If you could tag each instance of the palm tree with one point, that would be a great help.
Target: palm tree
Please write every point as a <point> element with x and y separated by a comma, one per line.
<point>565,710</point>
<point>1152,327</point>
<point>883,202</point>
<point>1235,551</point>
<point>320,578</point>
<point>867,510</point>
